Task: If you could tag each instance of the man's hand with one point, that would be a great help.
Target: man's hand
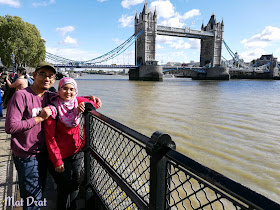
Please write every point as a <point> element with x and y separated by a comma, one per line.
<point>60,168</point>
<point>96,100</point>
<point>45,113</point>
<point>81,107</point>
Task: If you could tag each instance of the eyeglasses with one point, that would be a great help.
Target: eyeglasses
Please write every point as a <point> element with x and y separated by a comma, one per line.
<point>44,75</point>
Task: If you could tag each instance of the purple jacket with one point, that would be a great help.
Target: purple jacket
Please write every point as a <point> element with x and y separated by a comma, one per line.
<point>27,138</point>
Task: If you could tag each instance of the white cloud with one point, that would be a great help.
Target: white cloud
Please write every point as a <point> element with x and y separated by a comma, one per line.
<point>43,4</point>
<point>168,16</point>
<point>277,50</point>
<point>101,0</point>
<point>165,39</point>
<point>191,14</point>
<point>12,3</point>
<point>180,44</point>
<point>159,46</point>
<point>258,44</point>
<point>174,22</point>
<point>268,35</point>
<point>127,3</point>
<point>65,30</point>
<point>69,40</point>
<point>252,54</point>
<point>126,21</point>
<point>195,44</point>
<point>178,56</point>
<point>254,44</point>
<point>165,9</point>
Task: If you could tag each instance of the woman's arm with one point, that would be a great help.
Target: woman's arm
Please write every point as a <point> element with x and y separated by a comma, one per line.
<point>53,149</point>
<point>96,102</point>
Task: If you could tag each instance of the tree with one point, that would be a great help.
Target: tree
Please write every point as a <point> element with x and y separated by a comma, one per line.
<point>21,39</point>
<point>253,62</point>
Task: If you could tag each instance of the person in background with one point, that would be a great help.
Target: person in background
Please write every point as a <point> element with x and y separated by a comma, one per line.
<point>21,82</point>
<point>62,133</point>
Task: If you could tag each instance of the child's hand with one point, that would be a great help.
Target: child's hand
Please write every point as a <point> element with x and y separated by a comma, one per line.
<point>60,168</point>
<point>96,100</point>
<point>81,107</point>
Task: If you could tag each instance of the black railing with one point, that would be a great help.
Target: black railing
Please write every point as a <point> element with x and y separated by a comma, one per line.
<point>127,170</point>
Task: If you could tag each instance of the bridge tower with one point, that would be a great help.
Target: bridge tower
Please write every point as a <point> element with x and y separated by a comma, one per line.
<point>145,47</point>
<point>211,47</point>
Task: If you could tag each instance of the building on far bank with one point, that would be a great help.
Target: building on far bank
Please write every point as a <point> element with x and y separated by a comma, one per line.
<point>264,59</point>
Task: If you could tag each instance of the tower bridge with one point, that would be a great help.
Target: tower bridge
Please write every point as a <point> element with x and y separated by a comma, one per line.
<point>212,66</point>
<point>211,37</point>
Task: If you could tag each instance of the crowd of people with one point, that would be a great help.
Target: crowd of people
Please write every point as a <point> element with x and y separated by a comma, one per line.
<point>45,135</point>
<point>11,82</point>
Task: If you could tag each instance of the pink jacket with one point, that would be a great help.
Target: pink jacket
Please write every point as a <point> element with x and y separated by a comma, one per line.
<point>63,141</point>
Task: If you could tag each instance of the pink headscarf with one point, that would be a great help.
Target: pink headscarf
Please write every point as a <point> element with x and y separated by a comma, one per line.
<point>67,110</point>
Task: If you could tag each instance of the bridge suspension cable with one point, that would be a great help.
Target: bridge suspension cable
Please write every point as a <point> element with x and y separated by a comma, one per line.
<point>235,57</point>
<point>57,58</point>
<point>105,57</point>
<point>242,64</point>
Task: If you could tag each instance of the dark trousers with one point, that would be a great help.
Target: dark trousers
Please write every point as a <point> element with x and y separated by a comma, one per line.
<point>32,173</point>
<point>68,181</point>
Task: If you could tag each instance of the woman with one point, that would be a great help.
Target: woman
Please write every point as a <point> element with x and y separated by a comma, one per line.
<point>21,81</point>
<point>62,134</point>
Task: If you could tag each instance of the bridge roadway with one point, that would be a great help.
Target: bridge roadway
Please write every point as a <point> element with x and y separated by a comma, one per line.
<point>182,68</point>
<point>183,32</point>
<point>95,66</point>
<point>165,68</point>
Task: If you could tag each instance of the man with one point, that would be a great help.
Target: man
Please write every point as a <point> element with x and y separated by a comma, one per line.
<point>25,112</point>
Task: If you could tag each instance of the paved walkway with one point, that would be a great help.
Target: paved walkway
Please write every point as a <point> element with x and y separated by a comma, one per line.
<point>8,177</point>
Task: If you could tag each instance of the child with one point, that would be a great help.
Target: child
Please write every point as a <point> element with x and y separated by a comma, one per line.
<point>62,132</point>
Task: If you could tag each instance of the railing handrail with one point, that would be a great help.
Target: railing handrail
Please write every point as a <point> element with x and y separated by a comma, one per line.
<point>135,134</point>
<point>243,193</point>
<point>162,156</point>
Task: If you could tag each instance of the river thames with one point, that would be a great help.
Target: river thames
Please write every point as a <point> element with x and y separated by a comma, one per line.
<point>232,127</point>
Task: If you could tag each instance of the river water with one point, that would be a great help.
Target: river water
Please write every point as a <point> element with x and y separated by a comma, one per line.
<point>232,127</point>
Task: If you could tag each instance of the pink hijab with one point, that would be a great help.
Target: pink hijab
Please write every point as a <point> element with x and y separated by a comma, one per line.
<point>67,110</point>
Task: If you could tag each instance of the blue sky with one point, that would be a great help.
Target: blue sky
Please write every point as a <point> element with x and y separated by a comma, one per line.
<point>85,29</point>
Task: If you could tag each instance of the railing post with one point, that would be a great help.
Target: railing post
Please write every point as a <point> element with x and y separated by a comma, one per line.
<point>88,191</point>
<point>1,110</point>
<point>159,168</point>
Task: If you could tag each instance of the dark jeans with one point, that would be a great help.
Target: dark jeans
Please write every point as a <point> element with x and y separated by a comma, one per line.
<point>68,181</point>
<point>32,173</point>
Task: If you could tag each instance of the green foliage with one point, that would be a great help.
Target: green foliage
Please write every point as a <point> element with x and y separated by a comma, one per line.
<point>21,39</point>
<point>253,62</point>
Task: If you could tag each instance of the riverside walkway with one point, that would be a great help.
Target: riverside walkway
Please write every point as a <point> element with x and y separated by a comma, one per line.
<point>8,175</point>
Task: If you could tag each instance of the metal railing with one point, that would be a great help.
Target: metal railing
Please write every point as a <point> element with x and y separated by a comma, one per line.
<point>127,170</point>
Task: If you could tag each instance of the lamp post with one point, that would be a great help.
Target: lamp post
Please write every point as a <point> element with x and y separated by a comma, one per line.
<point>13,59</point>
